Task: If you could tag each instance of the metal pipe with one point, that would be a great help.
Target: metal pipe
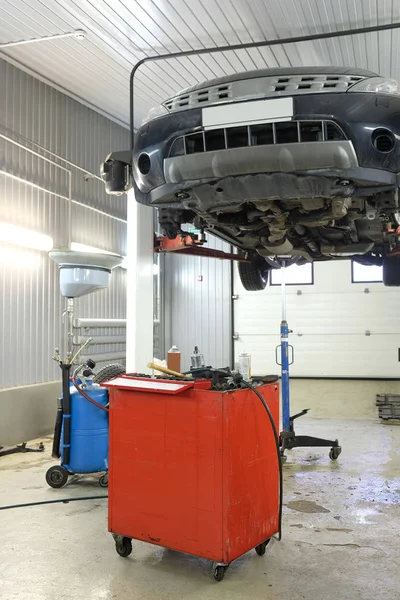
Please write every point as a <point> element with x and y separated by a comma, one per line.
<point>106,357</point>
<point>283,292</point>
<point>232,309</point>
<point>78,34</point>
<point>70,329</point>
<point>266,43</point>
<point>42,189</point>
<point>69,210</point>
<point>52,162</point>
<point>78,322</point>
<point>8,139</point>
<point>100,339</point>
<point>275,42</point>
<point>285,357</point>
<point>43,149</point>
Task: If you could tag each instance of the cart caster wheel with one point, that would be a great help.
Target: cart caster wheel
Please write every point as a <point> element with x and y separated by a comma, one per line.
<point>124,547</point>
<point>103,481</point>
<point>57,476</point>
<point>219,572</point>
<point>260,549</point>
<point>283,458</point>
<point>335,452</point>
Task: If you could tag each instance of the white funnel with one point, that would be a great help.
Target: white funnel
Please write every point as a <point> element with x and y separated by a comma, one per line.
<point>83,272</point>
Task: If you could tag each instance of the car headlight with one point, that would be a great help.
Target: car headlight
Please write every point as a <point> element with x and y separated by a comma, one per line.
<point>156,111</point>
<point>377,85</point>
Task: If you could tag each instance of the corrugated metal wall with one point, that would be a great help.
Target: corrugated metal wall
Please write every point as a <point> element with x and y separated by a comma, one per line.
<point>34,194</point>
<point>197,307</point>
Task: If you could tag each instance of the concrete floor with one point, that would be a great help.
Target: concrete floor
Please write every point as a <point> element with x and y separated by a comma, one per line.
<point>341,528</point>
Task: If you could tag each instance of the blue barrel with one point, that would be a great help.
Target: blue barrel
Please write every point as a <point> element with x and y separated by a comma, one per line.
<point>89,432</point>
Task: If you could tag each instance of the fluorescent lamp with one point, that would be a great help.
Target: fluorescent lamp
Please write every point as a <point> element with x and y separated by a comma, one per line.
<point>85,248</point>
<point>18,236</point>
<point>13,257</point>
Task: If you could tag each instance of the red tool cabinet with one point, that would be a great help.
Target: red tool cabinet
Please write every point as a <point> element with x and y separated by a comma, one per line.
<point>192,469</point>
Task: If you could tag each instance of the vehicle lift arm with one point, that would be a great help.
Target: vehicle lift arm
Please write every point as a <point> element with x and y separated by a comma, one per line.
<point>193,244</point>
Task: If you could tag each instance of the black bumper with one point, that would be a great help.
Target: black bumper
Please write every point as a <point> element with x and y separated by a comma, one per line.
<point>358,114</point>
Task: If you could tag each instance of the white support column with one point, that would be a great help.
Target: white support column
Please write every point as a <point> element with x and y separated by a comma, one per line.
<point>139,330</point>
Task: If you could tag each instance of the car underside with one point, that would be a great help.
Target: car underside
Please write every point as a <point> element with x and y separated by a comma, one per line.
<point>310,173</point>
<point>299,219</point>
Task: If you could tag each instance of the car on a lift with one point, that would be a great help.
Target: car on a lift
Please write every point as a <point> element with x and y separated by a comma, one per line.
<point>287,165</point>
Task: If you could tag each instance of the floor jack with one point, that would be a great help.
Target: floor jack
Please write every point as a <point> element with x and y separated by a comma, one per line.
<point>288,437</point>
<point>5,450</point>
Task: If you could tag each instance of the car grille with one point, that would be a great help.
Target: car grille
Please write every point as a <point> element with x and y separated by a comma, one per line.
<point>286,132</point>
<point>259,87</point>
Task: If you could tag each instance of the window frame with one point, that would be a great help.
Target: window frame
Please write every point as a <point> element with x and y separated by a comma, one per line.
<point>279,284</point>
<point>362,282</point>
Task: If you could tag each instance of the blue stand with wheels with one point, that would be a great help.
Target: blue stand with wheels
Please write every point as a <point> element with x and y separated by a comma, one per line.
<point>288,437</point>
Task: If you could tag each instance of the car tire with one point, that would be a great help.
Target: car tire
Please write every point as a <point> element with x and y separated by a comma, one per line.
<point>391,270</point>
<point>253,275</point>
<point>109,372</point>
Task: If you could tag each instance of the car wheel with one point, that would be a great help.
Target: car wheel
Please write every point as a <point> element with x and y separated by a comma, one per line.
<point>109,372</point>
<point>391,270</point>
<point>253,275</point>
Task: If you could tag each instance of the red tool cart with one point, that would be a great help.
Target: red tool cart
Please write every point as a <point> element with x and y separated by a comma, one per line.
<point>192,469</point>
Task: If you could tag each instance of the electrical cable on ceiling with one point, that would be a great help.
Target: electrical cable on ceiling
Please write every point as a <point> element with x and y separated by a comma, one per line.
<point>61,500</point>
<point>244,46</point>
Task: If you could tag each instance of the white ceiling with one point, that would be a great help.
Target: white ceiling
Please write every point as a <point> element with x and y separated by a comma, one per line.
<point>120,32</point>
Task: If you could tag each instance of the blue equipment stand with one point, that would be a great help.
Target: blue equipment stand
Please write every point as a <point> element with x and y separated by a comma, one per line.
<point>288,437</point>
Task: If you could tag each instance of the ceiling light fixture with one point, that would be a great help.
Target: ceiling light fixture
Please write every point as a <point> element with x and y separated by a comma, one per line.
<point>78,34</point>
<point>18,236</point>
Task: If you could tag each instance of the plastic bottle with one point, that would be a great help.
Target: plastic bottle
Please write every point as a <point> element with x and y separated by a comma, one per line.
<point>196,359</point>
<point>245,365</point>
<point>174,359</point>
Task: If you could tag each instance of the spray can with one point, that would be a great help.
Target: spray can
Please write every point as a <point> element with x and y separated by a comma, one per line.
<point>245,365</point>
<point>196,359</point>
<point>174,359</point>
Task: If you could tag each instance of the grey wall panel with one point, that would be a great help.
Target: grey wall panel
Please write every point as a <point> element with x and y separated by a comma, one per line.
<point>39,117</point>
<point>35,114</point>
<point>104,304</point>
<point>198,306</point>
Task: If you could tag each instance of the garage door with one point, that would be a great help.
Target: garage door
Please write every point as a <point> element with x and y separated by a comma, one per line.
<point>340,328</point>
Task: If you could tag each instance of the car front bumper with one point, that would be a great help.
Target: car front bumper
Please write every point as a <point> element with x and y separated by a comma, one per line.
<point>171,178</point>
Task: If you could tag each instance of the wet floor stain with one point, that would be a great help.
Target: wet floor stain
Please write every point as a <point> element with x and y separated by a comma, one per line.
<point>299,525</point>
<point>343,529</point>
<point>307,506</point>
<point>312,458</point>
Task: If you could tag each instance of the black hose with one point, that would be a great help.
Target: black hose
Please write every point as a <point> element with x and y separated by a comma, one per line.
<point>63,500</point>
<point>66,406</point>
<point>57,430</point>
<point>278,452</point>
